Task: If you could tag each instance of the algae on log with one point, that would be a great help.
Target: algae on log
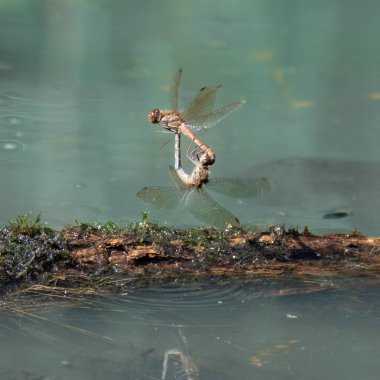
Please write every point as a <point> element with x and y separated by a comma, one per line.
<point>166,252</point>
<point>145,250</point>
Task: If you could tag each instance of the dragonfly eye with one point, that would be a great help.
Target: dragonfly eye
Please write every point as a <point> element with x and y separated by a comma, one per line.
<point>154,116</point>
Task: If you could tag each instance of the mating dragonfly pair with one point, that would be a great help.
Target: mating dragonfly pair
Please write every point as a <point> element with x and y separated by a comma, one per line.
<point>191,188</point>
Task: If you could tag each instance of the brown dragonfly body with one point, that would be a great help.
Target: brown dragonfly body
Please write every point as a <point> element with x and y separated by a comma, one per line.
<point>172,121</point>
<point>199,175</point>
<point>197,115</point>
<point>191,187</point>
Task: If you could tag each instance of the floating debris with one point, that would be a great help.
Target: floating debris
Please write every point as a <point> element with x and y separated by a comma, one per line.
<point>266,355</point>
<point>338,213</point>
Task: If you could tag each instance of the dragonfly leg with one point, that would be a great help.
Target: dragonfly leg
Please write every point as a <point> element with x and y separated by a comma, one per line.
<point>201,157</point>
<point>193,155</point>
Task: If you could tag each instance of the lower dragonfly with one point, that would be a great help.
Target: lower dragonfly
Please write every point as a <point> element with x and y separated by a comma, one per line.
<point>191,190</point>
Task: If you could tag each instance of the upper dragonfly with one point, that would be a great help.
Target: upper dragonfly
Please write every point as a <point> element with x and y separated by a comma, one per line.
<point>197,115</point>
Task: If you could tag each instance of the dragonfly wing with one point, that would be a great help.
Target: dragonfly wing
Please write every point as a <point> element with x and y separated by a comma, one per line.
<point>161,197</point>
<point>174,88</point>
<point>207,209</point>
<point>202,104</point>
<point>210,119</point>
<point>240,188</point>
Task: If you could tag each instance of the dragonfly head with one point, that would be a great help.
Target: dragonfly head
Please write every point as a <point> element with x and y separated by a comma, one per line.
<point>155,116</point>
<point>206,159</point>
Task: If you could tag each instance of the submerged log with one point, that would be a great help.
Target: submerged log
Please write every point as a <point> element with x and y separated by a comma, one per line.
<point>31,252</point>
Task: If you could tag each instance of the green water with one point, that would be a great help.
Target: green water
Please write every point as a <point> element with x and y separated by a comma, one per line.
<point>78,78</point>
<point>257,329</point>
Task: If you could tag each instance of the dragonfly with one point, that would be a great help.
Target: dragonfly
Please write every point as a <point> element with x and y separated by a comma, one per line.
<point>191,191</point>
<point>199,114</point>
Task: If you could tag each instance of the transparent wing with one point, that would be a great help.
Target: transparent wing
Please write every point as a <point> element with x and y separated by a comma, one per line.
<point>208,120</point>
<point>161,197</point>
<point>202,104</point>
<point>207,209</point>
<point>173,90</point>
<point>240,188</point>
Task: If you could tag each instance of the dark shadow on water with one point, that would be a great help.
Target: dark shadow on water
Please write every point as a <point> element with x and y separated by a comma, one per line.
<point>327,195</point>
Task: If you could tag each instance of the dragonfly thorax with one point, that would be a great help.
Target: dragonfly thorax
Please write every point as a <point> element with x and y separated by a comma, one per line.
<point>199,175</point>
<point>170,120</point>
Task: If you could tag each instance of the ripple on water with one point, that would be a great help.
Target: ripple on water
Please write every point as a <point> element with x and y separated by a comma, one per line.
<point>198,296</point>
<point>5,100</point>
<point>12,121</point>
<point>220,295</point>
<point>10,146</point>
<point>80,186</point>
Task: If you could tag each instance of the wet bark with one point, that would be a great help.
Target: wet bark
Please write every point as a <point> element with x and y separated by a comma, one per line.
<point>169,252</point>
<point>84,253</point>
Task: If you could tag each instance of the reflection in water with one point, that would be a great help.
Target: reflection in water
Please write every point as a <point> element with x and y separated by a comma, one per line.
<point>227,329</point>
<point>188,370</point>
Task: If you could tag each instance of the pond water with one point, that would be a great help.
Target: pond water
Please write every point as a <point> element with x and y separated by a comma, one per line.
<point>231,329</point>
<point>78,78</point>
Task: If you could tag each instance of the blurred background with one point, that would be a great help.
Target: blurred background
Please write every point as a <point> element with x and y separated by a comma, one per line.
<point>77,79</point>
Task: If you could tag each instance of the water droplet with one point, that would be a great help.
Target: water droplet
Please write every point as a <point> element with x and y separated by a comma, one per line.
<point>12,120</point>
<point>79,186</point>
<point>11,145</point>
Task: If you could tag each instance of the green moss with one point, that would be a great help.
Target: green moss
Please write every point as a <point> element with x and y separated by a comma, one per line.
<point>109,226</point>
<point>26,225</point>
<point>149,232</point>
<point>29,250</point>
<point>201,236</point>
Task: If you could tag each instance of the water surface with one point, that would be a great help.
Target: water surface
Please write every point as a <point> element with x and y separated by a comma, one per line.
<point>253,329</point>
<point>78,78</point>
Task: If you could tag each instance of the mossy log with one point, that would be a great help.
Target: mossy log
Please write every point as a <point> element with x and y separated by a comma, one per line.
<point>31,252</point>
<point>166,252</point>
